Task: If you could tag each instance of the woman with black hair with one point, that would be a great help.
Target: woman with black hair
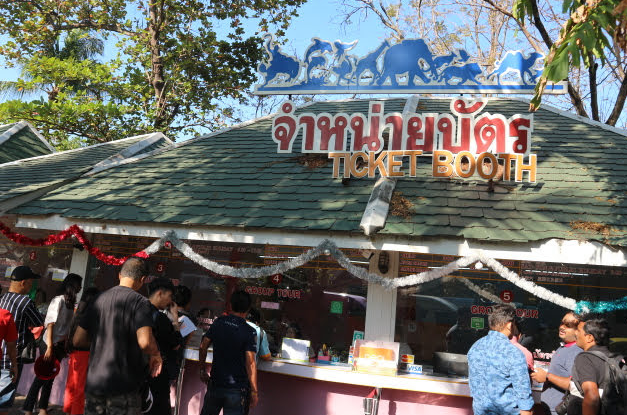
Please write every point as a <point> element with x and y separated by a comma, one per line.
<point>57,327</point>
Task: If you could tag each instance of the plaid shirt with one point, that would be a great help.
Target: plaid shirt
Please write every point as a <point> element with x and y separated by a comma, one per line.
<point>25,315</point>
<point>498,377</point>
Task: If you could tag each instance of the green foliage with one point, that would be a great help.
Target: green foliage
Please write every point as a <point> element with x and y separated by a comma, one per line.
<point>176,63</point>
<point>585,38</point>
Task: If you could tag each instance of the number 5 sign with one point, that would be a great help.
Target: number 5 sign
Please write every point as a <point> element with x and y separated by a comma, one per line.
<point>507,296</point>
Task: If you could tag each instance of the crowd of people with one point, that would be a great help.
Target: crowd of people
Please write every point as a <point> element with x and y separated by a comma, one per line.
<point>124,350</point>
<point>584,377</point>
<point>125,353</point>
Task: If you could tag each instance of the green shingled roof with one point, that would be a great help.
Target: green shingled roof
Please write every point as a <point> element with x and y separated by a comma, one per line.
<point>236,179</point>
<point>20,141</point>
<point>24,176</point>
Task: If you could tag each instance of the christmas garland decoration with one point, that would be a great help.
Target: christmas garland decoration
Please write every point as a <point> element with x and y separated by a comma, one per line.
<point>73,230</point>
<point>326,247</point>
<point>585,307</point>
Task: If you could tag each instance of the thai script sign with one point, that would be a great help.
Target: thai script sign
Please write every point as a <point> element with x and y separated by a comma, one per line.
<point>464,142</point>
<point>405,67</point>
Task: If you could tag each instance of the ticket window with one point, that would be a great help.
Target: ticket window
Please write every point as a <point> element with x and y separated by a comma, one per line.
<point>324,306</point>
<point>451,313</point>
<point>319,301</point>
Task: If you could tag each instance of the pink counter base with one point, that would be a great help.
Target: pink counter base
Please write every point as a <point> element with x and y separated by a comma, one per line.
<point>287,395</point>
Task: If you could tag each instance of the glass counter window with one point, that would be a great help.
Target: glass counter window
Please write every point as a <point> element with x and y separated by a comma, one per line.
<point>319,301</point>
<point>448,315</point>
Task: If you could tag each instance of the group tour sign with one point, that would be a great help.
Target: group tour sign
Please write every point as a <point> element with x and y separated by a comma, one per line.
<point>464,142</point>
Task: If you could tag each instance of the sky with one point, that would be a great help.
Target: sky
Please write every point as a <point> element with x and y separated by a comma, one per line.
<point>317,18</point>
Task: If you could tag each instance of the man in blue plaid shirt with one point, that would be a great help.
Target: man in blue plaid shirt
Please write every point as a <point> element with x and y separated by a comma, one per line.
<point>498,377</point>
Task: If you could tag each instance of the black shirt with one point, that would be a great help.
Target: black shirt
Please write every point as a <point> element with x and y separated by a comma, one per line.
<point>116,363</point>
<point>232,337</point>
<point>25,315</point>
<point>587,368</point>
<point>166,337</point>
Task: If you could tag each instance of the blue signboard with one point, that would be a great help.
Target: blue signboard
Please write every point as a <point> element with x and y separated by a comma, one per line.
<point>408,66</point>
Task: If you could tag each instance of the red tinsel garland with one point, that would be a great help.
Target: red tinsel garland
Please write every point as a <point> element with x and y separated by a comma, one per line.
<point>56,238</point>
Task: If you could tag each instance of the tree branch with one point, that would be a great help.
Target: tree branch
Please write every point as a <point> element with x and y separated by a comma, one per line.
<point>594,98</point>
<point>619,104</point>
<point>521,25</point>
<point>91,25</point>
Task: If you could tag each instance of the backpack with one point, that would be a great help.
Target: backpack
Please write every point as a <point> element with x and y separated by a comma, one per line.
<point>613,384</point>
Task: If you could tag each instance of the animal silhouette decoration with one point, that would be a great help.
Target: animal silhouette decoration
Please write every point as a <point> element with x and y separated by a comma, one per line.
<point>405,66</point>
<point>465,73</point>
<point>316,60</point>
<point>369,63</point>
<point>408,57</point>
<point>516,62</point>
<point>344,64</point>
<point>279,64</point>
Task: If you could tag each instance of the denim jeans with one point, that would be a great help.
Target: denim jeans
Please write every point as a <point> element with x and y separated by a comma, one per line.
<point>232,401</point>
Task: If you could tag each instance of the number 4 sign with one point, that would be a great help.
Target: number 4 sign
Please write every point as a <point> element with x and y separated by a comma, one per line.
<point>276,279</point>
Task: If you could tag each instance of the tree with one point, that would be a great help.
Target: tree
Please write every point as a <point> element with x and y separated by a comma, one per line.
<point>73,84</point>
<point>486,28</point>
<point>180,64</point>
<point>591,35</point>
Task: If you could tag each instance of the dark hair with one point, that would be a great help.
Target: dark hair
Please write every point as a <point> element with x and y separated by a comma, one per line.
<point>202,310</point>
<point>70,288</point>
<point>134,268</point>
<point>44,297</point>
<point>254,315</point>
<point>182,296</point>
<point>240,301</point>
<point>599,329</point>
<point>160,284</point>
<point>500,316</point>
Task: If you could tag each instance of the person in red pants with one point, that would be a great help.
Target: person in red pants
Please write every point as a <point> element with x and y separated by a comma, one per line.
<point>74,398</point>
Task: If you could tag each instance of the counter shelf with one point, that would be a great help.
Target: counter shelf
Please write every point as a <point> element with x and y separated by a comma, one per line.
<point>444,385</point>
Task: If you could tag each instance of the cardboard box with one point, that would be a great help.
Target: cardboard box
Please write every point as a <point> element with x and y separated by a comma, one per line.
<point>376,357</point>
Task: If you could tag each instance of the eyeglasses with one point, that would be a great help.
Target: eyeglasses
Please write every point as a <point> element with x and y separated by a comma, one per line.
<point>572,324</point>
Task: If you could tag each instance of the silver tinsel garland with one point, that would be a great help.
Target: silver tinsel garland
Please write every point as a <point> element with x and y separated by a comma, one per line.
<point>327,247</point>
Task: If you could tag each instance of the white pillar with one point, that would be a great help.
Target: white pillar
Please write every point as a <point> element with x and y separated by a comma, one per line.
<point>80,258</point>
<point>381,305</point>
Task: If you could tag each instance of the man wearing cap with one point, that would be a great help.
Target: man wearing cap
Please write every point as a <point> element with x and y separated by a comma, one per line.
<point>25,315</point>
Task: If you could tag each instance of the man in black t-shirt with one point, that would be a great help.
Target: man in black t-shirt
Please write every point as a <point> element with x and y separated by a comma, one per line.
<point>119,328</point>
<point>168,339</point>
<point>589,370</point>
<point>233,383</point>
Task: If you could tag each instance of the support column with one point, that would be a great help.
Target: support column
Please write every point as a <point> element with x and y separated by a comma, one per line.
<point>80,259</point>
<point>381,305</point>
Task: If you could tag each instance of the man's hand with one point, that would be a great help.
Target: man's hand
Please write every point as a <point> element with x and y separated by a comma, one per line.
<point>14,372</point>
<point>539,375</point>
<point>155,364</point>
<point>204,376</point>
<point>254,398</point>
<point>12,352</point>
<point>48,356</point>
